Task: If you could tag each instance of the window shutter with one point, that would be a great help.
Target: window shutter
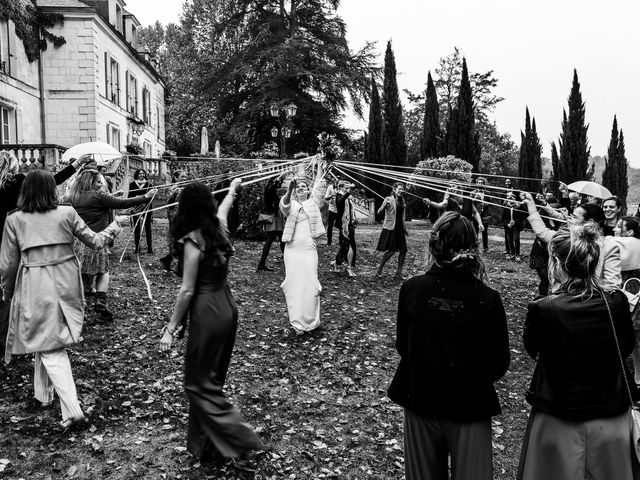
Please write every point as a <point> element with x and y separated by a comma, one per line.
<point>107,92</point>
<point>12,66</point>
<point>126,88</point>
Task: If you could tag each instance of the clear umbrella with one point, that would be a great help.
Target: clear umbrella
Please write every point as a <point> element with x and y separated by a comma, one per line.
<point>592,189</point>
<point>103,153</point>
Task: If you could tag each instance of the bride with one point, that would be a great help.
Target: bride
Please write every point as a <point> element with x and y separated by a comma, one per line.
<point>303,225</point>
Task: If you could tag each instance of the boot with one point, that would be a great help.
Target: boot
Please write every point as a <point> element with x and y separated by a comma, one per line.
<point>101,306</point>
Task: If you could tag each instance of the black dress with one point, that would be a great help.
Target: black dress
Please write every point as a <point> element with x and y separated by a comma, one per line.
<point>134,191</point>
<point>394,240</point>
<point>213,421</point>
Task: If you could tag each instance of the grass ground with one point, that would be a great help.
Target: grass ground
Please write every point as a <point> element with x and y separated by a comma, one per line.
<point>318,401</point>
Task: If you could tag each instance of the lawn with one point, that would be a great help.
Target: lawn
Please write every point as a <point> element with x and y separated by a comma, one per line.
<point>318,401</point>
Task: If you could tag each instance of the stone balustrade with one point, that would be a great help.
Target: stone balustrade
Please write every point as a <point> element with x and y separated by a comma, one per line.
<point>32,156</point>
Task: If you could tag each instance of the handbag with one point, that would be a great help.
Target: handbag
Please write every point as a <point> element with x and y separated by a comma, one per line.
<point>265,218</point>
<point>635,414</point>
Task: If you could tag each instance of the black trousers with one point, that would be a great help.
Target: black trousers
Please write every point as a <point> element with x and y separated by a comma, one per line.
<point>271,236</point>
<point>331,219</point>
<point>147,232</point>
<point>345,244</point>
<point>512,239</point>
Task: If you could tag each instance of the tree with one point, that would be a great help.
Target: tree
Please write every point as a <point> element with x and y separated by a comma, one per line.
<point>228,61</point>
<point>614,176</point>
<point>448,81</point>
<point>499,155</point>
<point>281,52</point>
<point>32,24</point>
<point>431,145</point>
<point>530,164</point>
<point>374,138</point>
<point>573,143</point>
<point>394,145</point>
<point>462,139</point>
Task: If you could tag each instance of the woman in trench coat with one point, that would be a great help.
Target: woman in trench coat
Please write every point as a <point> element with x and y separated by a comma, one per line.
<point>40,276</point>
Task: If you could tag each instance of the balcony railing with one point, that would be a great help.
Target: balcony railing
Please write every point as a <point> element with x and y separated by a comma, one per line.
<point>32,156</point>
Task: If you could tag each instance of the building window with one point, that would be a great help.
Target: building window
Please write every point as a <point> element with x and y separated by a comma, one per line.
<point>113,136</point>
<point>4,46</point>
<point>146,105</point>
<point>5,127</point>
<point>160,120</point>
<point>112,73</point>
<point>118,18</point>
<point>132,95</point>
<point>147,149</point>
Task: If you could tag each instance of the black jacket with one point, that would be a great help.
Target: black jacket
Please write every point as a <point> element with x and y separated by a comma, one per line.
<point>578,375</point>
<point>453,343</point>
<point>271,198</point>
<point>341,199</point>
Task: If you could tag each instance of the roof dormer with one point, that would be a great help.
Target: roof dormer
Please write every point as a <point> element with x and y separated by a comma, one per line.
<point>131,25</point>
<point>116,14</point>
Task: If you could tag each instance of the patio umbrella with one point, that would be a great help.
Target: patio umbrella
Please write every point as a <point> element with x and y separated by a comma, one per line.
<point>592,189</point>
<point>217,148</point>
<point>103,153</point>
<point>204,141</point>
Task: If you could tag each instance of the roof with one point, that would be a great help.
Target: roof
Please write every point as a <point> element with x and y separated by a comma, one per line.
<point>61,3</point>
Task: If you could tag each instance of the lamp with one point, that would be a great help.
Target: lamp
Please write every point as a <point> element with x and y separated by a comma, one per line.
<point>274,132</point>
<point>286,131</point>
<point>274,109</point>
<point>291,109</point>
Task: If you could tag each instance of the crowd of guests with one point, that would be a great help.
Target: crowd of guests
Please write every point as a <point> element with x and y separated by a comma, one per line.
<point>451,337</point>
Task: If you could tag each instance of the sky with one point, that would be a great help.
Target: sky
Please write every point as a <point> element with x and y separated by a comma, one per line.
<point>532,48</point>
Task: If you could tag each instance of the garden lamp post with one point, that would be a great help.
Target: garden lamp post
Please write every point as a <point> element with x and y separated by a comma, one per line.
<point>285,131</point>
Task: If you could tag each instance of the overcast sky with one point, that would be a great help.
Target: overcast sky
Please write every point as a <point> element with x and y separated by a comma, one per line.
<point>532,47</point>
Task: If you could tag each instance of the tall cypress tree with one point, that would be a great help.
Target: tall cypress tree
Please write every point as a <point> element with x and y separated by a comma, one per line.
<point>374,139</point>
<point>461,138</point>
<point>530,164</point>
<point>573,143</point>
<point>624,180</point>
<point>394,144</point>
<point>431,146</point>
<point>614,176</point>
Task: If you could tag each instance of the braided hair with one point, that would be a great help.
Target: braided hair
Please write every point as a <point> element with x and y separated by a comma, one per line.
<point>453,242</point>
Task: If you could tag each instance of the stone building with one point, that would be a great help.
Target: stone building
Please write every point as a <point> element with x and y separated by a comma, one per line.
<point>98,86</point>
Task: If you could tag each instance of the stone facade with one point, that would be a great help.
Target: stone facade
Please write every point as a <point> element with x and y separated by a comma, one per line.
<point>96,87</point>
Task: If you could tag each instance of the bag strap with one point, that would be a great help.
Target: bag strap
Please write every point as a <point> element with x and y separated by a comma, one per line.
<point>615,337</point>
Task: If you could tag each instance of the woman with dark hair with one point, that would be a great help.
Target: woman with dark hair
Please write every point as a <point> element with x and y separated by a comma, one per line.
<point>453,343</point>
<point>608,268</point>
<point>178,178</point>
<point>204,248</point>
<point>274,227</point>
<point>393,237</point>
<point>88,196</point>
<point>614,209</point>
<point>141,186</point>
<point>580,425</point>
<point>40,275</point>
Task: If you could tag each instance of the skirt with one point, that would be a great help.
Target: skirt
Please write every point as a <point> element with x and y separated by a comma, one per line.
<point>392,241</point>
<point>565,450</point>
<point>93,261</point>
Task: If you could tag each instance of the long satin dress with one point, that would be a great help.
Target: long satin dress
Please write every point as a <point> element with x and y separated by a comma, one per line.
<point>301,286</point>
<point>213,421</point>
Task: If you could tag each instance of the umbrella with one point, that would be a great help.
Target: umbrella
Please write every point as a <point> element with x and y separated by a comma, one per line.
<point>592,189</point>
<point>204,141</point>
<point>102,152</point>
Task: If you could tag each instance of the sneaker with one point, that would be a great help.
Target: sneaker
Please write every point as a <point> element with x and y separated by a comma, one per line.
<point>334,267</point>
<point>264,268</point>
<point>350,272</point>
<point>518,258</point>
